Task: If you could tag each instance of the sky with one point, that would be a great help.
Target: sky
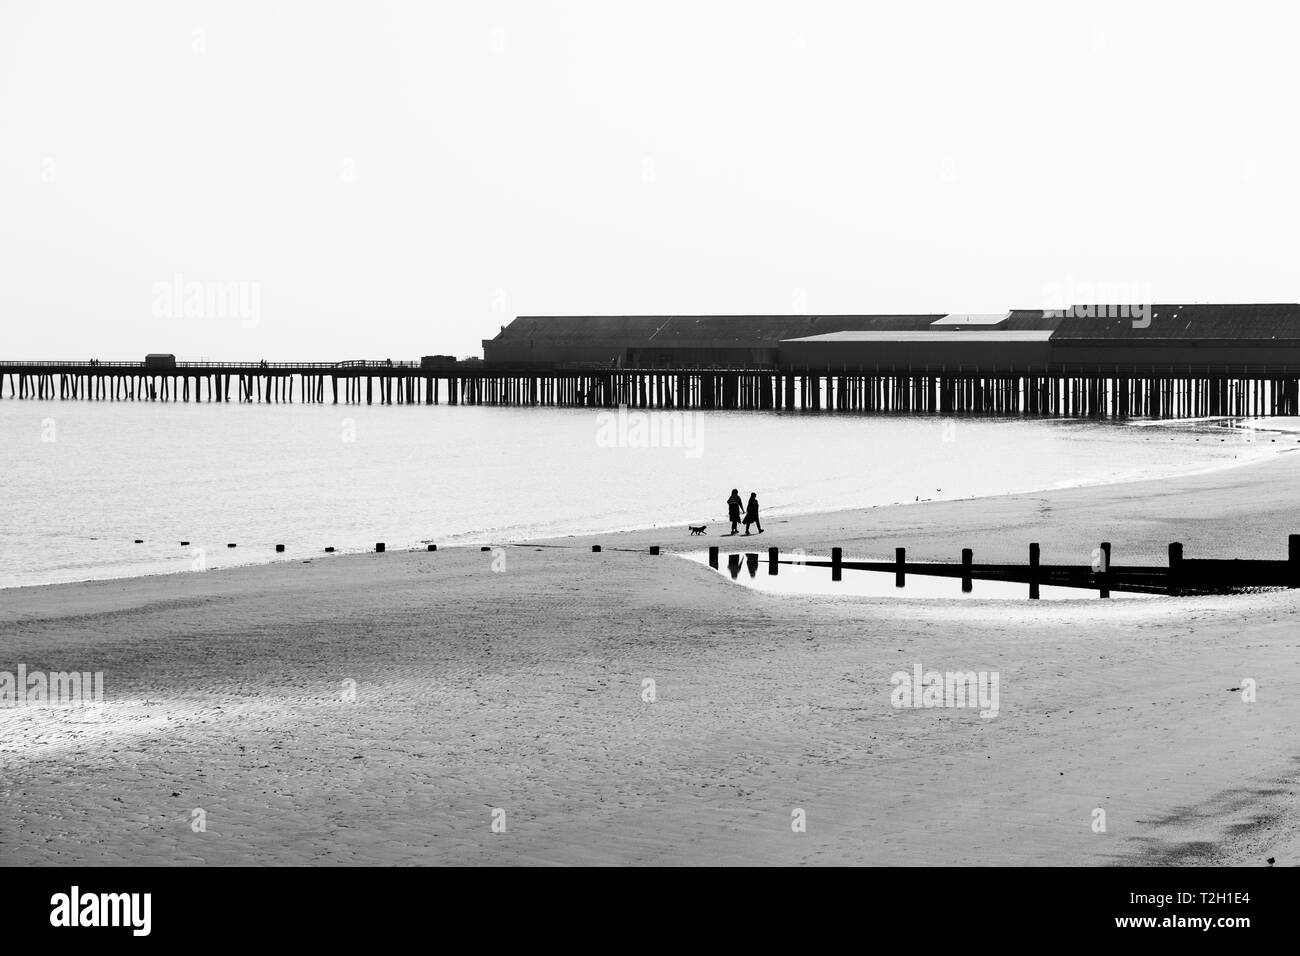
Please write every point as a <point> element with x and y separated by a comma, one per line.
<point>317,181</point>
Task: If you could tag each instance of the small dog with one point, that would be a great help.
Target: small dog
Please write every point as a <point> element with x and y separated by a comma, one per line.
<point>697,528</point>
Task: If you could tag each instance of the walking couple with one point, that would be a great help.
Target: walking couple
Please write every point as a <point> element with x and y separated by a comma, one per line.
<point>751,512</point>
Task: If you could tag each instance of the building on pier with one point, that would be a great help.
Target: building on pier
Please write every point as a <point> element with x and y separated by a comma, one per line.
<point>669,341</point>
<point>1080,337</point>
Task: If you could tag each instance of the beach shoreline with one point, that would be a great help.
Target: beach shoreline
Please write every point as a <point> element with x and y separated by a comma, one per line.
<point>477,539</point>
<point>514,679</point>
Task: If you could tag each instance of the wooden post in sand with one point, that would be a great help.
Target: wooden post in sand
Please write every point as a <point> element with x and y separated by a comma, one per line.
<point>1293,561</point>
<point>837,559</point>
<point>1033,572</point>
<point>654,549</point>
<point>379,547</point>
<point>966,556</point>
<point>713,557</point>
<point>773,557</point>
<point>900,567</point>
<point>1105,569</point>
<point>1175,567</point>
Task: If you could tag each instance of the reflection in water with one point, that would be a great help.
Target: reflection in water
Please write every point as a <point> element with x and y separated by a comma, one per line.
<point>750,563</point>
<point>805,579</point>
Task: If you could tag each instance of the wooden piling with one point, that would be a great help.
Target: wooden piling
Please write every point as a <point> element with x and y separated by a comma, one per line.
<point>773,560</point>
<point>837,562</point>
<point>1033,571</point>
<point>713,556</point>
<point>966,557</point>
<point>900,567</point>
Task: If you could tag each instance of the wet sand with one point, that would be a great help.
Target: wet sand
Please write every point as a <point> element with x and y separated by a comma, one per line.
<point>513,681</point>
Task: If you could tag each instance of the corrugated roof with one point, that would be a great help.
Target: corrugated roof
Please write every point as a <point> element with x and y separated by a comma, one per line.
<point>1019,319</point>
<point>1184,322</point>
<point>937,335</point>
<point>1167,322</point>
<point>694,331</point>
<point>973,318</point>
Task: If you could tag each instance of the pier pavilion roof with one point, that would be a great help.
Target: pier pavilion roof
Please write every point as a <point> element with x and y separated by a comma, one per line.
<point>694,331</point>
<point>1207,323</point>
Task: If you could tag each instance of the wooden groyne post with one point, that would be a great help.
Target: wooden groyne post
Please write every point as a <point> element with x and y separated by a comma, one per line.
<point>1175,567</point>
<point>1033,572</point>
<point>1105,570</point>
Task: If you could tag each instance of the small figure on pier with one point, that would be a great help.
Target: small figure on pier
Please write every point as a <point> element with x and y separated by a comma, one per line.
<point>733,510</point>
<point>751,513</point>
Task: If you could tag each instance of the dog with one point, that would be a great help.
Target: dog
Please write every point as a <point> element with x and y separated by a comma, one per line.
<point>697,528</point>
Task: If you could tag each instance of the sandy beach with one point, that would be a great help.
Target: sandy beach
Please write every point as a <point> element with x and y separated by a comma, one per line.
<point>513,681</point>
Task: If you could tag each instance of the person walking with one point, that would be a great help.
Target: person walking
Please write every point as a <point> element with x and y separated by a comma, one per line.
<point>751,513</point>
<point>733,510</point>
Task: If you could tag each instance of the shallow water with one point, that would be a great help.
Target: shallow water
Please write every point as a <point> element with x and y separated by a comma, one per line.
<point>751,570</point>
<point>84,480</point>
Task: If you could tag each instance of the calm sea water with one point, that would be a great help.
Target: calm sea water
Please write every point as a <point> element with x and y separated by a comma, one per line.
<point>82,481</point>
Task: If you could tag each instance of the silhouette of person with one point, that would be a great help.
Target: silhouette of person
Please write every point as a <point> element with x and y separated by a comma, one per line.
<point>751,513</point>
<point>733,510</point>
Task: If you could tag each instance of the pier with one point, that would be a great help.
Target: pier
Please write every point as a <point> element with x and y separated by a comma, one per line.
<point>1063,391</point>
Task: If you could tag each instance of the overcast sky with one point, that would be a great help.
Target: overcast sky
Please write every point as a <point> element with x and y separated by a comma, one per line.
<point>399,179</point>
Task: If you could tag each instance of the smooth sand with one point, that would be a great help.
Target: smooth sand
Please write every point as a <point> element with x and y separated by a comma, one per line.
<point>521,689</point>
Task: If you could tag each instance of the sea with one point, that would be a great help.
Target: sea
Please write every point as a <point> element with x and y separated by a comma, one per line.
<point>106,490</point>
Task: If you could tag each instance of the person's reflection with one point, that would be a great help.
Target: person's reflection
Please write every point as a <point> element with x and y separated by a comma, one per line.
<point>751,562</point>
<point>733,565</point>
